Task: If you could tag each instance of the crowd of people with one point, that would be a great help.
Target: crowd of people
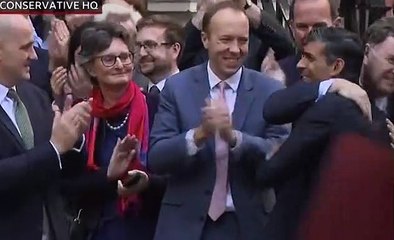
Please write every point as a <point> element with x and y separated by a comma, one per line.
<point>125,125</point>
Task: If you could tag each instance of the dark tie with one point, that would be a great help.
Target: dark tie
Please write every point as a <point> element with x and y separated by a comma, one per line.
<point>22,120</point>
<point>153,103</point>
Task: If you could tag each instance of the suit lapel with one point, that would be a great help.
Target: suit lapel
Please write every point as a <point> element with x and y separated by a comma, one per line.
<point>243,101</point>
<point>6,121</point>
<point>201,87</point>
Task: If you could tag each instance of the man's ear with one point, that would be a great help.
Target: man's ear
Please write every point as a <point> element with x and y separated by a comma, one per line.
<point>338,22</point>
<point>204,39</point>
<point>337,67</point>
<point>367,49</point>
<point>176,49</point>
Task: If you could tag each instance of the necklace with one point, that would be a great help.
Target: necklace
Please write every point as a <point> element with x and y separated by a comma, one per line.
<point>117,127</point>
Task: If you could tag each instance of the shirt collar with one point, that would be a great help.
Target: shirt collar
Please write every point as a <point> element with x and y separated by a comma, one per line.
<point>233,81</point>
<point>3,92</point>
<point>381,103</point>
<point>160,85</point>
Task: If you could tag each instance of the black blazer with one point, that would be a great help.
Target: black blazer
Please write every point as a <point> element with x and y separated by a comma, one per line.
<point>28,178</point>
<point>289,67</point>
<point>294,168</point>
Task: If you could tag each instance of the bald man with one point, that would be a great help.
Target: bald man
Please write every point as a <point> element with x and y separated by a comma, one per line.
<point>33,143</point>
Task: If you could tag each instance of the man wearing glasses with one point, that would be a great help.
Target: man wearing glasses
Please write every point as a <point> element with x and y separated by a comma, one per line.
<point>160,42</point>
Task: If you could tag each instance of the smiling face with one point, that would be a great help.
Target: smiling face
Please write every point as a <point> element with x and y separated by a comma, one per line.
<point>379,66</point>
<point>155,55</point>
<point>227,41</point>
<point>113,66</point>
<point>313,65</point>
<point>308,15</point>
<point>17,51</point>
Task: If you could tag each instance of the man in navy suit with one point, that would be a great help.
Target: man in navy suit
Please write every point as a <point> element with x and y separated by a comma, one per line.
<point>208,124</point>
<point>33,142</point>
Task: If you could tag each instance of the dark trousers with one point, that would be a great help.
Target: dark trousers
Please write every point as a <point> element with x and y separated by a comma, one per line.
<point>226,227</point>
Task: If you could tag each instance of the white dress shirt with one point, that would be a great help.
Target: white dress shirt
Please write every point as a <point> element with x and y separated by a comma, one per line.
<point>231,96</point>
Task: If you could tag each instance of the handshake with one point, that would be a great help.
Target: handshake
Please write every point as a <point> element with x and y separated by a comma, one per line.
<point>69,125</point>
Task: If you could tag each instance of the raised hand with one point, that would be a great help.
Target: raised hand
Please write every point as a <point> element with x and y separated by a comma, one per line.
<point>79,82</point>
<point>124,152</point>
<point>390,126</point>
<point>58,80</point>
<point>69,126</point>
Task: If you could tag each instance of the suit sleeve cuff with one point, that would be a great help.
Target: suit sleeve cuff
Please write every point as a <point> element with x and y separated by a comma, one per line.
<point>191,146</point>
<point>58,155</point>
<point>323,88</point>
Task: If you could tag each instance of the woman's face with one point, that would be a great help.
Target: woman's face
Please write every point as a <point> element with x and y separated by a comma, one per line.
<point>113,67</point>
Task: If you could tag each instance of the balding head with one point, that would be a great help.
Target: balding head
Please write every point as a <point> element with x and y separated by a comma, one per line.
<point>12,22</point>
<point>16,48</point>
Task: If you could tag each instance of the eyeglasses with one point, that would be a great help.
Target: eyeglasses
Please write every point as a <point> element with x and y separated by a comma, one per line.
<point>150,45</point>
<point>110,60</point>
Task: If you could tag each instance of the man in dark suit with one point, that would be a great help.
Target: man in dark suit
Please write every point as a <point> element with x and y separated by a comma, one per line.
<point>31,154</point>
<point>211,192</point>
<point>160,42</point>
<point>265,32</point>
<point>305,15</point>
<point>328,52</point>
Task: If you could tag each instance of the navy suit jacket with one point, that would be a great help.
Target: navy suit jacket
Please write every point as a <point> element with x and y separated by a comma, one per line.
<point>28,179</point>
<point>191,178</point>
<point>294,169</point>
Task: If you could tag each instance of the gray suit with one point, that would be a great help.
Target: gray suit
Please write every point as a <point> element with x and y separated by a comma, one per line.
<point>185,205</point>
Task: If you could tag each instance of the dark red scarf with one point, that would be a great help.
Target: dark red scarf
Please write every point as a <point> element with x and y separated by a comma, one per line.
<point>132,101</point>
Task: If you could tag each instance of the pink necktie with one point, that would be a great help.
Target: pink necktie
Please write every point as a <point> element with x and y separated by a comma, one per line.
<point>219,195</point>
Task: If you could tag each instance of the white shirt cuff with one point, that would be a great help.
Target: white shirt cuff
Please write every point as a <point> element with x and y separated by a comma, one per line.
<point>191,146</point>
<point>81,146</point>
<point>238,140</point>
<point>323,88</point>
<point>58,155</point>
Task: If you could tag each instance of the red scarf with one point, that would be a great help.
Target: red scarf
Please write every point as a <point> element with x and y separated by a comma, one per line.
<point>134,100</point>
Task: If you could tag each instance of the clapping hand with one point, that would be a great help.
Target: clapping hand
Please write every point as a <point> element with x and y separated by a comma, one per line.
<point>124,152</point>
<point>390,126</point>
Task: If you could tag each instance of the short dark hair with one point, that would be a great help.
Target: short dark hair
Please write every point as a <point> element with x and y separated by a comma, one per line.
<point>206,20</point>
<point>341,43</point>
<point>334,8</point>
<point>98,38</point>
<point>380,30</point>
<point>173,33</point>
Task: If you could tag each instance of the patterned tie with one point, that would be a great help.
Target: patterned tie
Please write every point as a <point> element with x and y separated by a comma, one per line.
<point>22,120</point>
<point>219,195</point>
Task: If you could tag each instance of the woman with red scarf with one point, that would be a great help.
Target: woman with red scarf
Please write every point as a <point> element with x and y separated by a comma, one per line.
<point>108,190</point>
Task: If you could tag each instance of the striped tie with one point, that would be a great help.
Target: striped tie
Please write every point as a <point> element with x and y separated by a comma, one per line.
<point>22,120</point>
